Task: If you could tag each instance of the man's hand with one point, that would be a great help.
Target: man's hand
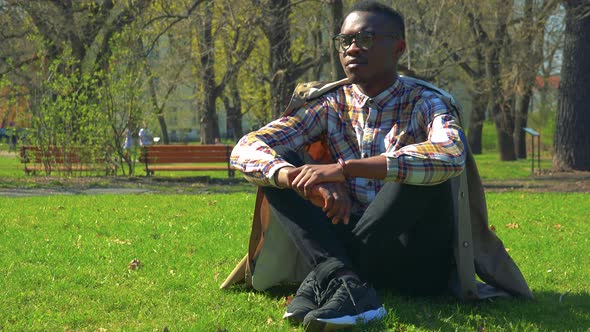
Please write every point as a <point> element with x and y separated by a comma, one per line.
<point>334,199</point>
<point>311,175</point>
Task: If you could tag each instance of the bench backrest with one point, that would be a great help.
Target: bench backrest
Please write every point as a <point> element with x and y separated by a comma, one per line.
<point>161,154</point>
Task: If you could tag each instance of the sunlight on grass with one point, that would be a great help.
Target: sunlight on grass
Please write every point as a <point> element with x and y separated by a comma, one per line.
<point>65,266</point>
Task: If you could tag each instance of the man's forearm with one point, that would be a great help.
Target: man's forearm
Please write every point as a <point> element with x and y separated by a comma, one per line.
<point>372,168</point>
<point>283,178</point>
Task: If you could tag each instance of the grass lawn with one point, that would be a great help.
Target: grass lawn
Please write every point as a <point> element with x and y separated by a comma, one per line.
<point>65,267</point>
<point>65,260</point>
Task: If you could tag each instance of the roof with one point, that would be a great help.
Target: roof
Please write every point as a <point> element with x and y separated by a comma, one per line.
<point>552,81</point>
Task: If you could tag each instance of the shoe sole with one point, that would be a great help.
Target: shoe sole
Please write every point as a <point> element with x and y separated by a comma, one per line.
<point>295,317</point>
<point>332,324</point>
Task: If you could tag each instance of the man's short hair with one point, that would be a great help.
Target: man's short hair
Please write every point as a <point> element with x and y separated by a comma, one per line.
<point>396,19</point>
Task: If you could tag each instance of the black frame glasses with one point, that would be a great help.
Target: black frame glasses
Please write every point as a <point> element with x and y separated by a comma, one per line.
<point>362,39</point>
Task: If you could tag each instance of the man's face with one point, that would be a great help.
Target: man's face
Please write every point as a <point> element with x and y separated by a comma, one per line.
<point>372,68</point>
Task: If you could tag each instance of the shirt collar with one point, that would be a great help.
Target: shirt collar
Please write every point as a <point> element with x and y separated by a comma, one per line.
<point>379,100</point>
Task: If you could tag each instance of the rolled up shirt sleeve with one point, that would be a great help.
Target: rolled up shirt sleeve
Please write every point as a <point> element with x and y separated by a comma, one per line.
<point>438,158</point>
<point>254,155</point>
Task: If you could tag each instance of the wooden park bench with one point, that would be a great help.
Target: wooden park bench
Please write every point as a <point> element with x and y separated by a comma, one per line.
<point>186,158</point>
<point>63,159</point>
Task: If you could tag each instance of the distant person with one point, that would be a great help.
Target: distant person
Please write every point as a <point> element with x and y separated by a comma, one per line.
<point>12,137</point>
<point>144,137</point>
<point>128,143</point>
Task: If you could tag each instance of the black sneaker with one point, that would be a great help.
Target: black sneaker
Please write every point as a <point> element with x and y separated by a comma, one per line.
<point>345,302</point>
<point>306,299</point>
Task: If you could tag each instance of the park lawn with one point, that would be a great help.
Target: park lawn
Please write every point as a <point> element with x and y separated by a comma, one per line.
<point>64,262</point>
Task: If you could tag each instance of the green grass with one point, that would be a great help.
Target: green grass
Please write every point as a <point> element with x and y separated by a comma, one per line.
<point>491,168</point>
<point>64,260</point>
<point>64,263</point>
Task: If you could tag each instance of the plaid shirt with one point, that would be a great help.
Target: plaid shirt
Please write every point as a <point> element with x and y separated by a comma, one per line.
<point>407,123</point>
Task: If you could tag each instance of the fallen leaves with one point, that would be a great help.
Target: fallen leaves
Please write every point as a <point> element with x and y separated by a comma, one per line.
<point>135,264</point>
<point>119,241</point>
<point>512,225</point>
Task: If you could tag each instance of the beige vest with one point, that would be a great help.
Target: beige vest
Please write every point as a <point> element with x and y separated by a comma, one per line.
<point>272,258</point>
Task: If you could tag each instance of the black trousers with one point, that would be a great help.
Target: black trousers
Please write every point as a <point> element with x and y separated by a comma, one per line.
<point>403,241</point>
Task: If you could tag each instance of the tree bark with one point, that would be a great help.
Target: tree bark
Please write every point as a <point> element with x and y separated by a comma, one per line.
<point>336,17</point>
<point>163,128</point>
<point>233,108</point>
<point>478,116</point>
<point>206,47</point>
<point>522,109</point>
<point>501,104</point>
<point>572,141</point>
<point>278,33</point>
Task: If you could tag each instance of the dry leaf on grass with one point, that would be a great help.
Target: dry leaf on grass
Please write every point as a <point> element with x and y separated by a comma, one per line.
<point>512,225</point>
<point>119,241</point>
<point>493,228</point>
<point>134,264</point>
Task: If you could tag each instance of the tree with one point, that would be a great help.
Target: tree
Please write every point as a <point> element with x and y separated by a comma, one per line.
<point>490,43</point>
<point>162,43</point>
<point>530,40</point>
<point>572,141</point>
<point>336,17</point>
<point>233,39</point>
<point>63,56</point>
<point>284,68</point>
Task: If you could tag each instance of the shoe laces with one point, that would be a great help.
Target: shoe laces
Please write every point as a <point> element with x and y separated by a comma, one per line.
<point>315,287</point>
<point>345,284</point>
<point>334,293</point>
<point>317,293</point>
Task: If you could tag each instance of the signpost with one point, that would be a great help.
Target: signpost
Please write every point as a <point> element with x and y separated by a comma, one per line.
<point>534,134</point>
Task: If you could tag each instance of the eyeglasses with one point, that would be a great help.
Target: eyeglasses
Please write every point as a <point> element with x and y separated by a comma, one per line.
<point>362,39</point>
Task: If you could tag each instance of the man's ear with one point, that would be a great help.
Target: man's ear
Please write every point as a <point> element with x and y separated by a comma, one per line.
<point>399,48</point>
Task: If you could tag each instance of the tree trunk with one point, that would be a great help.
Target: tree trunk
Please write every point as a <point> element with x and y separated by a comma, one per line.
<point>234,113</point>
<point>522,109</point>
<point>163,128</point>
<point>206,47</point>
<point>336,17</point>
<point>572,141</point>
<point>478,116</point>
<point>501,105</point>
<point>277,31</point>
<point>501,109</point>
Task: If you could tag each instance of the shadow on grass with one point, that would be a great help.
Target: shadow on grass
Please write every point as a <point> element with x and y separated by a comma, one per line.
<point>549,311</point>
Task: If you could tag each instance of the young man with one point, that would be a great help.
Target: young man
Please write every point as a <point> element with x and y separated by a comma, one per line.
<point>381,213</point>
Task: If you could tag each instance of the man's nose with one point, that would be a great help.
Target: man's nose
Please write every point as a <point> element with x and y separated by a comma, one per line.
<point>353,48</point>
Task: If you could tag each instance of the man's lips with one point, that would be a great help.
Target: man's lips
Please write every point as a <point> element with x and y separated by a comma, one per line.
<point>355,63</point>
